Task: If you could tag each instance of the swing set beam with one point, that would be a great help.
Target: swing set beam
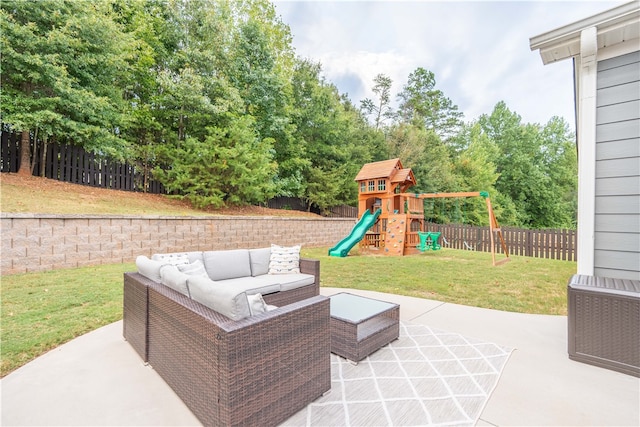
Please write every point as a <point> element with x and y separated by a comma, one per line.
<point>445,195</point>
<point>493,222</point>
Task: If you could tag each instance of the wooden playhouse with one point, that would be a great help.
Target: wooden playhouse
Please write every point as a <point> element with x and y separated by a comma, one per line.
<point>396,216</point>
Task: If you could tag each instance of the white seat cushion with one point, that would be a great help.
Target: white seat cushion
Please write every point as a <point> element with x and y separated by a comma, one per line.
<point>293,281</point>
<point>264,284</point>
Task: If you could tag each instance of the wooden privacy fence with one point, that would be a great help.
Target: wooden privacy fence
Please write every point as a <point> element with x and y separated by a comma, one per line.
<point>71,163</point>
<point>298,204</point>
<point>557,244</point>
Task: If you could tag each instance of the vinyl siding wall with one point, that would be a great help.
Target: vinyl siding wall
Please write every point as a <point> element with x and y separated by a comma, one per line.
<point>617,204</point>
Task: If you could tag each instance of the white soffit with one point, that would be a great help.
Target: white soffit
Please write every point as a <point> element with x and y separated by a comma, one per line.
<point>617,25</point>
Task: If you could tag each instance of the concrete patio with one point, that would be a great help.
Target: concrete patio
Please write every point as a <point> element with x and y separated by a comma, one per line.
<point>98,379</point>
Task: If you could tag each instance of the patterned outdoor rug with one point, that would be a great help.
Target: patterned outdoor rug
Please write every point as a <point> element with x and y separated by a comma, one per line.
<point>426,377</point>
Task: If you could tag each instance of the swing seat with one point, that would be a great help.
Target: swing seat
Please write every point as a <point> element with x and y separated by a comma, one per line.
<point>422,246</point>
<point>435,235</point>
<point>428,240</point>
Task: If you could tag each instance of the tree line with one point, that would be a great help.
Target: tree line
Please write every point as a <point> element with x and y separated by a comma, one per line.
<point>209,97</point>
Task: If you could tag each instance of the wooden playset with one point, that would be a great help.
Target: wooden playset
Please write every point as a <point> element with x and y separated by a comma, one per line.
<point>392,220</point>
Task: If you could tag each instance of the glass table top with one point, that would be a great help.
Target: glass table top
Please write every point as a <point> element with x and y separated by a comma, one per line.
<point>355,308</point>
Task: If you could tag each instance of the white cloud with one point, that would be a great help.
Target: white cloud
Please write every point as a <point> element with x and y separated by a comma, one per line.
<point>479,51</point>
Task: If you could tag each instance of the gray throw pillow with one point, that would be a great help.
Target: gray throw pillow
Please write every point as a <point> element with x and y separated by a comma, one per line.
<point>256,304</point>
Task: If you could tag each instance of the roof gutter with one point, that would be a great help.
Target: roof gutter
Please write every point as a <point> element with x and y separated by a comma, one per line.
<point>565,41</point>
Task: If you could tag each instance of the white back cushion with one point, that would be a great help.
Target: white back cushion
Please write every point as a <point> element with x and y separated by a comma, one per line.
<point>259,261</point>
<point>149,268</point>
<point>174,278</point>
<point>221,265</point>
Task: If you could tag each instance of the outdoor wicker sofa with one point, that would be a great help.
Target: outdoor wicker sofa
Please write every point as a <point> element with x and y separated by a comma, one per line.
<point>259,370</point>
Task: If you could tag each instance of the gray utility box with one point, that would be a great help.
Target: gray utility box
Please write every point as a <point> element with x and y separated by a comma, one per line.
<point>604,322</point>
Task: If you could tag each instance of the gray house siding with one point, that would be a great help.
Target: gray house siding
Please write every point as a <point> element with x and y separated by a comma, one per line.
<point>617,204</point>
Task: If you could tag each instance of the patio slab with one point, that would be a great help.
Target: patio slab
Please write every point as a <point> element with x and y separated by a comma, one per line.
<point>98,379</point>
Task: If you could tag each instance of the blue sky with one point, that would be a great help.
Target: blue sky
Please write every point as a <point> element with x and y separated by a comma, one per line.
<point>478,50</point>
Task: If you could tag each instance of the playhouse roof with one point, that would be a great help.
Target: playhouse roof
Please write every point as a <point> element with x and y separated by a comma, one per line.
<point>404,175</point>
<point>382,169</point>
<point>391,169</point>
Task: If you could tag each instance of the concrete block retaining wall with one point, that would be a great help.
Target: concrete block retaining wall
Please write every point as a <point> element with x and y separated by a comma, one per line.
<point>32,242</point>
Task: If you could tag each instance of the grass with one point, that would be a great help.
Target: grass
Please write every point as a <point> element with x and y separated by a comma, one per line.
<point>523,285</point>
<point>43,310</point>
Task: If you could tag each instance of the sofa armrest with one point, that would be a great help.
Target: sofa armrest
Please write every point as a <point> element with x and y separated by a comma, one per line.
<point>311,266</point>
<point>135,312</point>
<point>282,298</point>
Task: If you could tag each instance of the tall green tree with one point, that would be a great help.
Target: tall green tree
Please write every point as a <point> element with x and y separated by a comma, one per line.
<point>423,151</point>
<point>536,167</point>
<point>155,43</point>
<point>334,139</point>
<point>260,65</point>
<point>475,170</point>
<point>64,67</point>
<point>220,91</point>
<point>422,105</point>
<point>231,166</point>
<point>380,109</point>
<point>321,126</point>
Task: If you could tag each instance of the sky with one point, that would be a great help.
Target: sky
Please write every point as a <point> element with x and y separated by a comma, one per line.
<point>478,50</point>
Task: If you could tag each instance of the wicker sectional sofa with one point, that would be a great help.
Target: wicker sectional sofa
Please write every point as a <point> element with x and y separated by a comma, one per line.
<point>258,369</point>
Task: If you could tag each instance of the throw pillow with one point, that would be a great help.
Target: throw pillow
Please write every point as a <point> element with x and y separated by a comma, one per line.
<point>196,268</point>
<point>173,259</point>
<point>256,304</point>
<point>284,260</point>
<point>174,279</point>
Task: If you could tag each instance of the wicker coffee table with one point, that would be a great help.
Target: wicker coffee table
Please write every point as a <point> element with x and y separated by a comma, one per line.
<point>360,326</point>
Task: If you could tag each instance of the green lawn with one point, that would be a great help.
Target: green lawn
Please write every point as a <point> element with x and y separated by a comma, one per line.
<point>524,285</point>
<point>43,310</point>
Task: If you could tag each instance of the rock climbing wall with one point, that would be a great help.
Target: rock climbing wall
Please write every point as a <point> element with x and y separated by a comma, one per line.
<point>395,235</point>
